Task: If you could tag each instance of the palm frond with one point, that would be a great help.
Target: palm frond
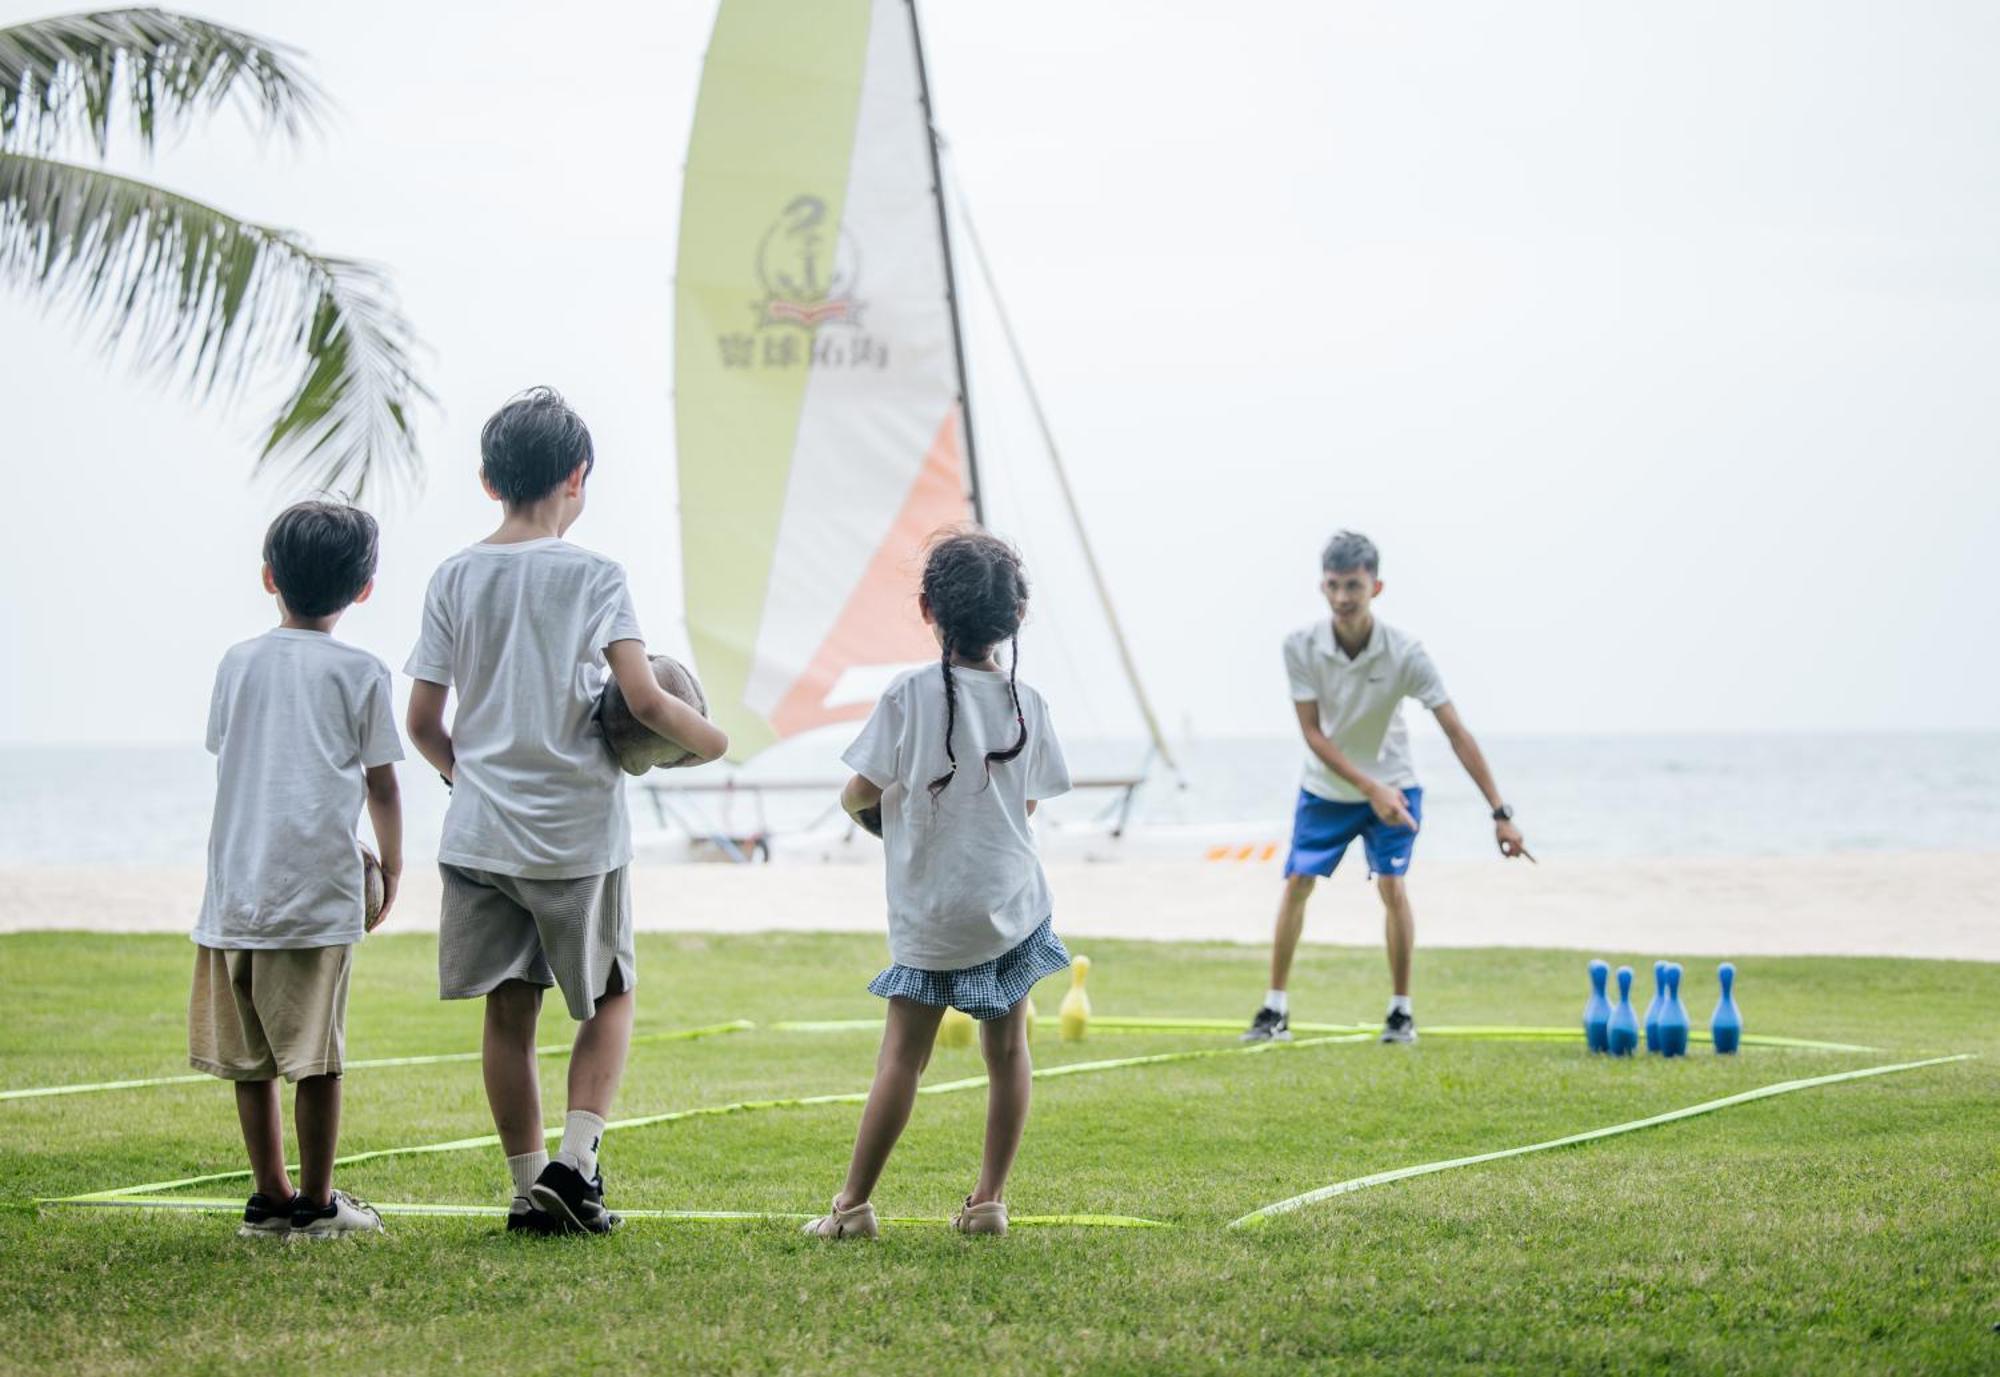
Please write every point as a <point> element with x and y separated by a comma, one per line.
<point>66,73</point>
<point>194,293</point>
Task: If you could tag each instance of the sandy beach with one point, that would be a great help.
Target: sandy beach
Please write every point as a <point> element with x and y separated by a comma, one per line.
<point>1930,904</point>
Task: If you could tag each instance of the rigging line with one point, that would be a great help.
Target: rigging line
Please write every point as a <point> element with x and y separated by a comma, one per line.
<point>1062,480</point>
<point>934,141</point>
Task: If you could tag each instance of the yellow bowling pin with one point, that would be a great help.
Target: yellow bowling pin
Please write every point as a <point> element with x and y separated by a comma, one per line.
<point>1032,1016</point>
<point>1074,1016</point>
<point>955,1030</point>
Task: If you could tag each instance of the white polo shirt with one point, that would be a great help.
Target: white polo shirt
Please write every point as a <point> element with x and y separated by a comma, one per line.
<point>1360,702</point>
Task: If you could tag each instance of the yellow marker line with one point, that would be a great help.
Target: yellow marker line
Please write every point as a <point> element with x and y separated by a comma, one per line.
<point>717,1110</point>
<point>1258,1217</point>
<point>372,1064</point>
<point>1496,1032</point>
<point>1475,1032</point>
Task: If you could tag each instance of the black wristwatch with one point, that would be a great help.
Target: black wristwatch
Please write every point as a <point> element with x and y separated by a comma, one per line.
<point>1504,813</point>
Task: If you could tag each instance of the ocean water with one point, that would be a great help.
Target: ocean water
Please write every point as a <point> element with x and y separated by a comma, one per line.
<point>1596,797</point>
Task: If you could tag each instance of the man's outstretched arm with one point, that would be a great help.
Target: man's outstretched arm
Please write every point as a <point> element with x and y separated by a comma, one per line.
<point>1474,760</point>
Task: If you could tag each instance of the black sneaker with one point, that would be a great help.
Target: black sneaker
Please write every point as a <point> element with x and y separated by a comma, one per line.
<point>262,1218</point>
<point>524,1218</point>
<point>1399,1027</point>
<point>1269,1026</point>
<point>576,1205</point>
<point>342,1214</point>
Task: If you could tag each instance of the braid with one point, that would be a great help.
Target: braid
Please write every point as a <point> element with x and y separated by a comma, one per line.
<point>938,785</point>
<point>1020,718</point>
<point>977,593</point>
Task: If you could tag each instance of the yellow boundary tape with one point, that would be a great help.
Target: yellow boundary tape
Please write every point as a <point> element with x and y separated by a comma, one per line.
<point>1258,1217</point>
<point>1107,1023</point>
<point>373,1063</point>
<point>710,1111</point>
<point>1483,1032</point>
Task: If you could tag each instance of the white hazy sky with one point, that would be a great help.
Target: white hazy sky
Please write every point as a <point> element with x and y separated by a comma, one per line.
<point>1654,343</point>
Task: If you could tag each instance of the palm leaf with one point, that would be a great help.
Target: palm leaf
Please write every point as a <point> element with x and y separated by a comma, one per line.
<point>191,292</point>
<point>66,73</point>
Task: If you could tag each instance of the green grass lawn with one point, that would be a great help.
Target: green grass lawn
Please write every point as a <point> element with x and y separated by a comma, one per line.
<point>1850,1228</point>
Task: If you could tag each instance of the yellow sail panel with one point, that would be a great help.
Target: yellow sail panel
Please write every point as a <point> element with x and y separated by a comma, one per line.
<point>817,393</point>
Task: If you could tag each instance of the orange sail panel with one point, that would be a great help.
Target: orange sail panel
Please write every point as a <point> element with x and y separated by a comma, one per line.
<point>880,628</point>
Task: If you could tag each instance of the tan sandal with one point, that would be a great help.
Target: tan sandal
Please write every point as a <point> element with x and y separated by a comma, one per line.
<point>989,1218</point>
<point>857,1222</point>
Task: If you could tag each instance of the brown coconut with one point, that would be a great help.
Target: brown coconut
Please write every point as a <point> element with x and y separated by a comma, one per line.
<point>638,747</point>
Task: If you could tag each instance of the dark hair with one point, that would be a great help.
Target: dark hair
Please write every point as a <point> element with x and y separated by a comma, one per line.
<point>322,555</point>
<point>978,592</point>
<point>529,446</point>
<point>1350,550</point>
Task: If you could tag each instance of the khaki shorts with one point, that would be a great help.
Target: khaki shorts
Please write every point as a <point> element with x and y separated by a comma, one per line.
<point>256,1015</point>
<point>573,934</point>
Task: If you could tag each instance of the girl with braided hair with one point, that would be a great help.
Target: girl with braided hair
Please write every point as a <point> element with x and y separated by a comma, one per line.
<point>947,772</point>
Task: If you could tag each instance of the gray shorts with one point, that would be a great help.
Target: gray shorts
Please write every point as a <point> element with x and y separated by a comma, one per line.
<point>575,934</point>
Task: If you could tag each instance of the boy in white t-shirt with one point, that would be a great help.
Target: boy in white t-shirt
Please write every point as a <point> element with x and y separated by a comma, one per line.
<point>1349,677</point>
<point>526,626</point>
<point>302,728</point>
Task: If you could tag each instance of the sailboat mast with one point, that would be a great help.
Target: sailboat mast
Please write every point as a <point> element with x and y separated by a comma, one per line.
<point>1125,656</point>
<point>950,277</point>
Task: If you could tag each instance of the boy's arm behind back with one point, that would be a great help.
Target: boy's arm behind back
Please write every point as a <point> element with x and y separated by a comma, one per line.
<point>425,721</point>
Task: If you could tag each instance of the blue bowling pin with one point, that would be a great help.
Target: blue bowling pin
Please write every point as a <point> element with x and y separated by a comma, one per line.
<point>1622,1033</point>
<point>1653,1009</point>
<point>1726,1027</point>
<point>1597,1010</point>
<point>1673,1015</point>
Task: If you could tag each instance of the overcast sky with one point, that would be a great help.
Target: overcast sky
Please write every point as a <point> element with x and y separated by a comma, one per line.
<point>1654,343</point>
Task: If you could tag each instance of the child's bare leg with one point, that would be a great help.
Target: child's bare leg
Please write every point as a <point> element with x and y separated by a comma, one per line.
<point>1291,922</point>
<point>508,1059</point>
<point>316,1116</point>
<point>1009,1080</point>
<point>260,1112</point>
<point>597,1062</point>
<point>1399,929</point>
<point>907,1037</point>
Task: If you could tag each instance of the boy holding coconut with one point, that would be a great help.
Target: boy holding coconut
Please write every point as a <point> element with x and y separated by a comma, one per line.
<point>526,627</point>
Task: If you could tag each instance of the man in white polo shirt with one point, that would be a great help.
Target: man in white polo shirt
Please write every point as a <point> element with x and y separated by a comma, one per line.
<point>1349,677</point>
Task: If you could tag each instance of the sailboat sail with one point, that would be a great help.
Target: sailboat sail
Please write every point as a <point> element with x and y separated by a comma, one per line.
<point>819,407</point>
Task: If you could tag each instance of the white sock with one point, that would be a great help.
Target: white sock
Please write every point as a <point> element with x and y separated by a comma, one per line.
<point>524,1169</point>
<point>1275,999</point>
<point>1400,1004</point>
<point>582,1131</point>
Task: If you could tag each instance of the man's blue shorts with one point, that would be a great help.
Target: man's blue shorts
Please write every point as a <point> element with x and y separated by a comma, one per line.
<point>1321,830</point>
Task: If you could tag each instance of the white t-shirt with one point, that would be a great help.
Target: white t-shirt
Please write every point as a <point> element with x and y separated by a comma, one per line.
<point>519,631</point>
<point>297,720</point>
<point>1360,703</point>
<point>965,884</point>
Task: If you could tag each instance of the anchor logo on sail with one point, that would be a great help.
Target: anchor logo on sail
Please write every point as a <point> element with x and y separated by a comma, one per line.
<point>808,267</point>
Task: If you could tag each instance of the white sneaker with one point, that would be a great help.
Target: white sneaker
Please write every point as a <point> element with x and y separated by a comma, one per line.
<point>343,1214</point>
<point>858,1222</point>
<point>989,1218</point>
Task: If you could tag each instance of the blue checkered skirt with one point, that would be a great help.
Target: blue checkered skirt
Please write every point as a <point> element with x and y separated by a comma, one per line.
<point>986,991</point>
